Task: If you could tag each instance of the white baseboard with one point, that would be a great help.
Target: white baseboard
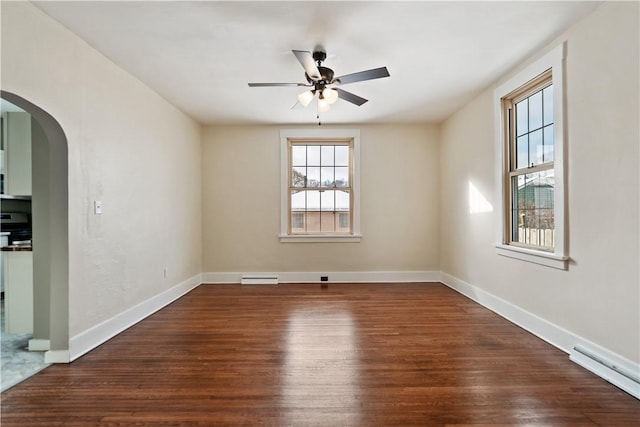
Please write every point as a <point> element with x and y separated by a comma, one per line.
<point>545,330</point>
<point>335,277</point>
<point>93,337</point>
<point>39,344</point>
<point>57,356</point>
<point>553,334</point>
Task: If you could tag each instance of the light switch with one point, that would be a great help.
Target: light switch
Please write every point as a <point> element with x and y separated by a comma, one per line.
<point>97,207</point>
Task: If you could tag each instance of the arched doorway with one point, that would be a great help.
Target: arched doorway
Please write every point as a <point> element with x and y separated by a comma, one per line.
<point>51,233</point>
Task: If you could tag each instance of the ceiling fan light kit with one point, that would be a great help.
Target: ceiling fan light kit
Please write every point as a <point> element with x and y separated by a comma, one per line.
<point>306,97</point>
<point>319,79</point>
<point>331,95</point>
<point>323,105</point>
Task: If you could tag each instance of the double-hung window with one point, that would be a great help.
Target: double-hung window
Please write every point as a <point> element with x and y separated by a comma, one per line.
<point>529,111</point>
<point>319,185</point>
<point>530,182</point>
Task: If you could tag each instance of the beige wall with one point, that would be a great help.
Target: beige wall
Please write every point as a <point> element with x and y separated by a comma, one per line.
<point>191,202</point>
<point>241,204</point>
<point>598,298</point>
<point>128,148</point>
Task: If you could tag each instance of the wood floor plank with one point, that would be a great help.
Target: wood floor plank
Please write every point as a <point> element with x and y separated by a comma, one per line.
<point>349,355</point>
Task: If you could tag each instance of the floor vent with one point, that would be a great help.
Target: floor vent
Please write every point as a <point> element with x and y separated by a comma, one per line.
<point>617,375</point>
<point>263,279</point>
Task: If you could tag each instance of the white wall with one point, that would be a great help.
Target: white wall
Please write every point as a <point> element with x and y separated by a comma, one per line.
<point>128,148</point>
<point>241,204</point>
<point>598,298</point>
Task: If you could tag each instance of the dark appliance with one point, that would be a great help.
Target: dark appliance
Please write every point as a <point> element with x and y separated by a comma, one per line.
<point>18,226</point>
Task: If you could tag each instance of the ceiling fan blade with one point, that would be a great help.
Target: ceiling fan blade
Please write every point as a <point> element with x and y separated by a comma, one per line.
<point>350,97</point>
<point>276,84</point>
<point>309,65</point>
<point>375,73</point>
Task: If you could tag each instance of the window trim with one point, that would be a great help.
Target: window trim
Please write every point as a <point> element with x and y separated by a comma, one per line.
<point>554,60</point>
<point>315,135</point>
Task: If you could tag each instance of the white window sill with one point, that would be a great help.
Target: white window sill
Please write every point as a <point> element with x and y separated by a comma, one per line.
<point>538,257</point>
<point>338,238</point>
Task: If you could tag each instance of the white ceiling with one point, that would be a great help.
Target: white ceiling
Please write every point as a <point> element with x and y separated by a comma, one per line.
<point>201,55</point>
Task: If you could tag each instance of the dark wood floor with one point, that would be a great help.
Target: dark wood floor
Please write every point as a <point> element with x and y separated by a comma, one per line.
<point>299,355</point>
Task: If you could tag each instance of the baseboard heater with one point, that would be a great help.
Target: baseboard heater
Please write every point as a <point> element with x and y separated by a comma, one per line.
<point>599,365</point>
<point>258,279</point>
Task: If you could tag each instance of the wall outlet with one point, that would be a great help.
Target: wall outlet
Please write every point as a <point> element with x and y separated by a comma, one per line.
<point>324,278</point>
<point>97,207</point>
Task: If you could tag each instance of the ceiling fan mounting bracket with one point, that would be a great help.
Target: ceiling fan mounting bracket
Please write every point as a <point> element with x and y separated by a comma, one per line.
<point>319,56</point>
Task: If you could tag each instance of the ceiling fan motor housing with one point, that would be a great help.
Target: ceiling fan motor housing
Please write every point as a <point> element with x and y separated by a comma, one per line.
<point>326,74</point>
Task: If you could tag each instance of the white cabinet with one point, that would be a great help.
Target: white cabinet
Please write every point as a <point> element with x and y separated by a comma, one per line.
<point>16,135</point>
<point>18,293</point>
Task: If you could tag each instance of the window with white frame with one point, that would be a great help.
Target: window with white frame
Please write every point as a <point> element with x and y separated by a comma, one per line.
<point>319,185</point>
<point>529,112</point>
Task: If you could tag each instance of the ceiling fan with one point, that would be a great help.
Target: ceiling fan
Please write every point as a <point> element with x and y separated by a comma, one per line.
<point>320,78</point>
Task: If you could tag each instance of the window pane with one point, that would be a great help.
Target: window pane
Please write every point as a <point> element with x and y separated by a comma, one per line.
<point>342,200</point>
<point>326,176</point>
<point>535,147</point>
<point>545,184</point>
<point>342,155</point>
<point>313,200</point>
<point>327,200</point>
<point>298,155</point>
<point>523,204</point>
<point>522,117</point>
<point>547,228</point>
<point>342,176</point>
<point>297,222</point>
<point>522,152</point>
<point>547,105</point>
<point>535,111</point>
<point>517,182</point>
<point>313,177</point>
<point>298,176</point>
<point>516,215</point>
<point>548,151</point>
<point>517,232</point>
<point>313,155</point>
<point>313,222</point>
<point>326,155</point>
<point>327,222</point>
<point>298,200</point>
<point>533,209</point>
<point>344,220</point>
